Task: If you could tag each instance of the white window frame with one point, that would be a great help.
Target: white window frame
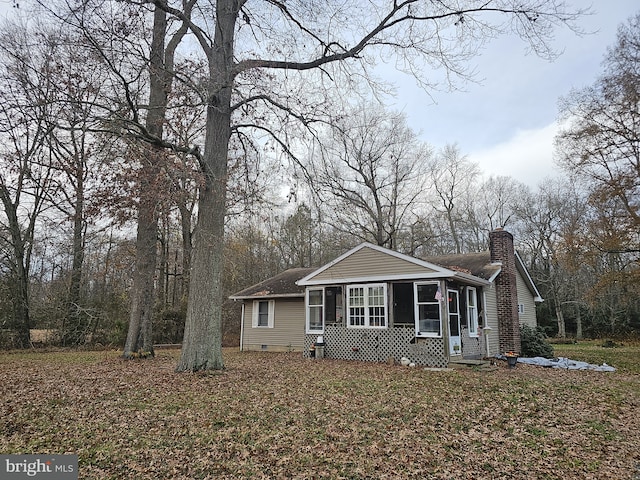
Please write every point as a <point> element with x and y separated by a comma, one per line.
<point>521,309</point>
<point>308,307</point>
<point>367,306</point>
<point>472,312</point>
<point>270,313</point>
<point>417,310</point>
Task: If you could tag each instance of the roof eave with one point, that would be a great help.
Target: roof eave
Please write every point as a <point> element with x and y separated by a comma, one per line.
<point>527,278</point>
<point>472,279</point>
<point>449,274</point>
<point>273,295</point>
<point>373,278</point>
<point>497,272</point>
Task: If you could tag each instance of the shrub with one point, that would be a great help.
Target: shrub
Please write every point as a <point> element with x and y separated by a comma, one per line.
<point>534,343</point>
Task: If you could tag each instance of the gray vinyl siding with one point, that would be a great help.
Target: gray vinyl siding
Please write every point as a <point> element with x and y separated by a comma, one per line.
<point>526,298</point>
<point>288,329</point>
<point>369,262</point>
<point>491,318</point>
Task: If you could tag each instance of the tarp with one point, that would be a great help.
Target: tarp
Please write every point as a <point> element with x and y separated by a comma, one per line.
<point>565,363</point>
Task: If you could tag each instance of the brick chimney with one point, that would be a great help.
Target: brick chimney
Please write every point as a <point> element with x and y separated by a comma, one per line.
<point>501,249</point>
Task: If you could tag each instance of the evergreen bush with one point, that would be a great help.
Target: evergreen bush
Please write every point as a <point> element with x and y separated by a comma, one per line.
<point>534,342</point>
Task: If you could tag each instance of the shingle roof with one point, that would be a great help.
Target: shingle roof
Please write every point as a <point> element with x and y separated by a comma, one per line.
<point>282,285</point>
<point>476,264</point>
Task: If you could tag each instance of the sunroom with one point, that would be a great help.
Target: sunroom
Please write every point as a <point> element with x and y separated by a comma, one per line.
<point>428,314</point>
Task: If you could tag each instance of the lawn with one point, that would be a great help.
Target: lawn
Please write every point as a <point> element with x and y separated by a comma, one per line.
<point>625,356</point>
<point>276,415</point>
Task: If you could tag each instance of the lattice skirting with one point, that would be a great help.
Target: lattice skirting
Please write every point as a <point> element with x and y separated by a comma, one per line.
<point>472,347</point>
<point>379,345</point>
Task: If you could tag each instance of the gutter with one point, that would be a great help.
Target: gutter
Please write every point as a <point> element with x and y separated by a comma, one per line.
<point>257,297</point>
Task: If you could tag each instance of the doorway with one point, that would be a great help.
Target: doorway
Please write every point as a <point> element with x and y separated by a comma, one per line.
<point>455,341</point>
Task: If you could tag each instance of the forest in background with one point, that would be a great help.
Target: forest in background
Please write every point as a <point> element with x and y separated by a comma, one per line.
<point>76,169</point>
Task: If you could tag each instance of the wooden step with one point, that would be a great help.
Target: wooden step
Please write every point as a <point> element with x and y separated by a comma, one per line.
<point>484,365</point>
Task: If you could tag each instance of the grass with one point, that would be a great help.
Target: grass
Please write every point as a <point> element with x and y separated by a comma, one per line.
<point>625,357</point>
<point>271,415</point>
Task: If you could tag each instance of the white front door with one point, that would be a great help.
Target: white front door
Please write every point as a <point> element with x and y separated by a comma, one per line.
<point>455,344</point>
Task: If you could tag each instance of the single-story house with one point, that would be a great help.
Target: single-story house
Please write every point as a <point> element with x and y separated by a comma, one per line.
<point>372,303</point>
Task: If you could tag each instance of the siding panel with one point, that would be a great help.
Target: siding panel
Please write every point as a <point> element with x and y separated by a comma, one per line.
<point>369,262</point>
<point>491,319</point>
<point>526,298</point>
<point>288,327</point>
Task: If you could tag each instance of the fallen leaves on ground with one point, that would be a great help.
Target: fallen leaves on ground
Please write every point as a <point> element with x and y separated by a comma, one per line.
<point>277,415</point>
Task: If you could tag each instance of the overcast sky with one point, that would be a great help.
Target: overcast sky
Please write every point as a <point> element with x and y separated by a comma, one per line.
<point>507,123</point>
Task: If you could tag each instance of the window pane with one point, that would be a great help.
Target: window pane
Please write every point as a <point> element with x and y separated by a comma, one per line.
<point>429,321</point>
<point>356,297</point>
<point>472,311</point>
<point>376,296</point>
<point>356,306</point>
<point>427,293</point>
<point>263,314</point>
<point>453,302</point>
<point>376,317</point>
<point>315,297</point>
<point>473,320</point>
<point>472,298</point>
<point>315,318</point>
<point>454,325</point>
<point>356,316</point>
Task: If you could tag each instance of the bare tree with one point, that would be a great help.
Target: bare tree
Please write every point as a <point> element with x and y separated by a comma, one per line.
<point>239,42</point>
<point>25,170</point>
<point>497,198</point>
<point>162,53</point>
<point>78,158</point>
<point>600,144</point>
<point>453,176</point>
<point>548,221</point>
<point>370,174</point>
<point>600,140</point>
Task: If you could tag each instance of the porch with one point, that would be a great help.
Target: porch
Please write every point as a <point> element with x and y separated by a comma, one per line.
<point>370,345</point>
<point>379,345</point>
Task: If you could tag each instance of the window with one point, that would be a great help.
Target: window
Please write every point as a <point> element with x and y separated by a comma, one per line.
<point>263,313</point>
<point>315,310</point>
<point>472,311</point>
<point>367,306</point>
<point>521,309</point>
<point>427,310</point>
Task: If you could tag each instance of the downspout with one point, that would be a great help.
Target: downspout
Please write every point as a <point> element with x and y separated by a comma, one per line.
<point>242,327</point>
<point>485,323</point>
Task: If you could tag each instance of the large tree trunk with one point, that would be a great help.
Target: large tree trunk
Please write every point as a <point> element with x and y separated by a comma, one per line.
<point>20,283</point>
<point>74,330</point>
<point>202,343</point>
<point>185,223</point>
<point>140,334</point>
<point>21,305</point>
